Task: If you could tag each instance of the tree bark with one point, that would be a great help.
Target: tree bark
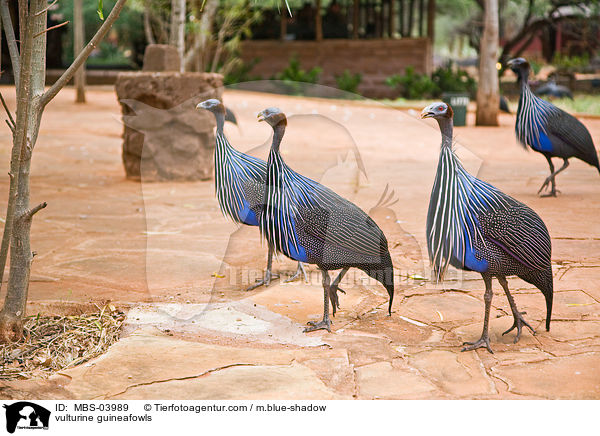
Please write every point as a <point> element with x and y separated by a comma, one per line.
<point>488,94</point>
<point>31,101</point>
<point>177,33</point>
<point>78,32</point>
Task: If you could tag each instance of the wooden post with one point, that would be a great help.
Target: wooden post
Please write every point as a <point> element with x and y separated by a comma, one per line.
<point>421,14</point>
<point>283,24</point>
<point>355,18</point>
<point>78,32</point>
<point>431,20</point>
<point>318,22</point>
<point>401,17</point>
<point>392,19</point>
<point>488,94</point>
<point>411,17</point>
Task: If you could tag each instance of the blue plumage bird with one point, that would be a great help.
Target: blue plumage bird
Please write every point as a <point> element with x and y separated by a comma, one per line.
<point>550,130</point>
<point>473,226</point>
<point>308,222</point>
<point>239,183</point>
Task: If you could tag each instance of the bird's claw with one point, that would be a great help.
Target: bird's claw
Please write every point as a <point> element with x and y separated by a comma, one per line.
<point>483,342</point>
<point>518,323</point>
<point>299,271</point>
<point>324,324</point>
<point>266,281</point>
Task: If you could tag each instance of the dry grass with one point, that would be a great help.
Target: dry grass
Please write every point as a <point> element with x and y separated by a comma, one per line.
<point>54,343</point>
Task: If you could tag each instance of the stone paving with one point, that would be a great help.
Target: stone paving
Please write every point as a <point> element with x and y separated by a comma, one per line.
<point>164,253</point>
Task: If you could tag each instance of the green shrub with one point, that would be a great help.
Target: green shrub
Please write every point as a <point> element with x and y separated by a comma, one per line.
<point>241,73</point>
<point>293,75</point>
<point>412,85</point>
<point>448,80</point>
<point>416,86</point>
<point>571,64</point>
<point>348,82</point>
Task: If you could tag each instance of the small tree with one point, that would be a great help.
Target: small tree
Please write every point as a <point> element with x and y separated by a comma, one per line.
<point>488,93</point>
<point>78,32</point>
<point>29,67</point>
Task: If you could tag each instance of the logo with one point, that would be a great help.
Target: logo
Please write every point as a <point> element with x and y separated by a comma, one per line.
<point>26,415</point>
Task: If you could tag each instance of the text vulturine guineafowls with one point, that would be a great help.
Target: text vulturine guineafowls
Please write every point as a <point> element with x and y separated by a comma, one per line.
<point>310,223</point>
<point>239,183</point>
<point>549,130</point>
<point>473,226</point>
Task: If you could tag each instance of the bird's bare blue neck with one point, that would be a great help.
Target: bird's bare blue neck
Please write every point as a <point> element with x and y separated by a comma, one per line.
<point>446,127</point>
<point>220,118</point>
<point>278,132</point>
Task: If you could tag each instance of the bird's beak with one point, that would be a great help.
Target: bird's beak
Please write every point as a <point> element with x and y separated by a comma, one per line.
<point>200,106</point>
<point>426,114</point>
<point>260,116</point>
<point>510,63</point>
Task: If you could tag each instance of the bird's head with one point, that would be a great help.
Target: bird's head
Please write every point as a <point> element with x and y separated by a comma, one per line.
<point>519,66</point>
<point>212,105</point>
<point>438,111</point>
<point>273,116</point>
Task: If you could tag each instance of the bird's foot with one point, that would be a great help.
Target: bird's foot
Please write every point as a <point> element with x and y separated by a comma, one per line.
<point>324,324</point>
<point>265,281</point>
<point>518,323</point>
<point>299,271</point>
<point>552,193</point>
<point>483,342</point>
<point>333,297</point>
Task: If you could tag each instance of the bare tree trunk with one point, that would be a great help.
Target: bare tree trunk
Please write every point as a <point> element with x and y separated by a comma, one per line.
<point>199,50</point>
<point>10,39</point>
<point>177,34</point>
<point>488,95</point>
<point>147,24</point>
<point>31,101</point>
<point>78,33</point>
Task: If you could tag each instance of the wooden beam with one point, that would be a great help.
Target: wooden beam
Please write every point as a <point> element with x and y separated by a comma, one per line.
<point>431,20</point>
<point>318,22</point>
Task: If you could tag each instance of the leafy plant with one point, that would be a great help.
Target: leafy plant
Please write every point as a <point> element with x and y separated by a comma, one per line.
<point>348,82</point>
<point>293,75</point>
<point>416,86</point>
<point>446,79</point>
<point>412,85</point>
<point>241,73</point>
<point>571,64</point>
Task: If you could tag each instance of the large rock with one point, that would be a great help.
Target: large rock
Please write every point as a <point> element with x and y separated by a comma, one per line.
<point>165,136</point>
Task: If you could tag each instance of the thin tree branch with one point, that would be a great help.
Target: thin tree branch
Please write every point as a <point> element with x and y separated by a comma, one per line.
<point>11,40</point>
<point>46,9</point>
<point>12,120</point>
<point>81,58</point>
<point>31,212</point>
<point>50,28</point>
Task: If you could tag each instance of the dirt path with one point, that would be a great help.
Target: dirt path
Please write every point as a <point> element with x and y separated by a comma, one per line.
<point>105,238</point>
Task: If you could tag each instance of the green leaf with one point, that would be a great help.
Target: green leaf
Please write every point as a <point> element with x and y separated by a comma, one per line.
<point>99,11</point>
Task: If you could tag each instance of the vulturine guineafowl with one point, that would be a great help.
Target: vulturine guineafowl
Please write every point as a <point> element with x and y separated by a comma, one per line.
<point>239,184</point>
<point>473,226</point>
<point>551,89</point>
<point>550,130</point>
<point>308,222</point>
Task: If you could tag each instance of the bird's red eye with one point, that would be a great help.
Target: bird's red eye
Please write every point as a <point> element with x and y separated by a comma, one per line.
<point>440,108</point>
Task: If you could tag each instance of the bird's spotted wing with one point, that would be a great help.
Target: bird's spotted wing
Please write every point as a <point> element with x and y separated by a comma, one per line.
<point>571,137</point>
<point>337,221</point>
<point>518,230</point>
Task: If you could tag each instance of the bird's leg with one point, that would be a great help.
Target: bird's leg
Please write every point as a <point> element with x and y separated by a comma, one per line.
<point>484,340</point>
<point>519,321</point>
<point>266,281</point>
<point>299,270</point>
<point>325,323</point>
<point>334,288</point>
<point>551,178</point>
